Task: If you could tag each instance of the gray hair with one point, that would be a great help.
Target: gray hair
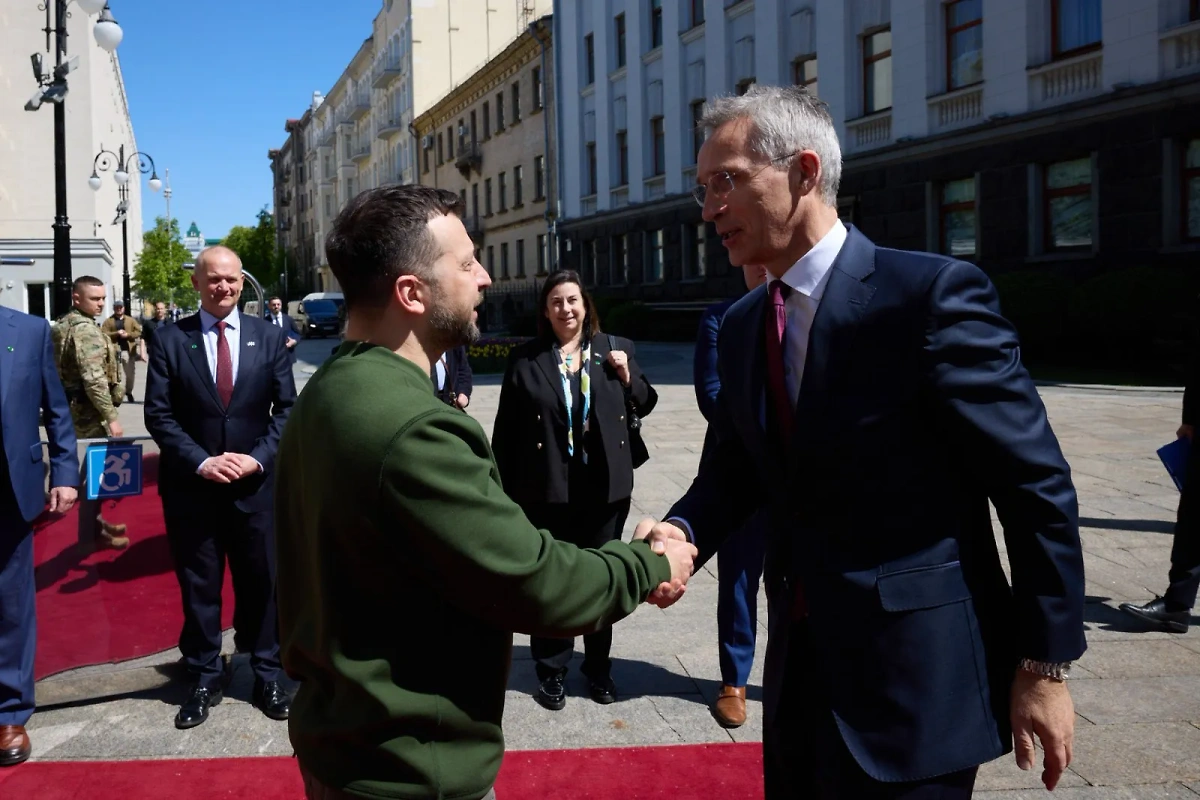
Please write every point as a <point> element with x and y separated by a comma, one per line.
<point>786,119</point>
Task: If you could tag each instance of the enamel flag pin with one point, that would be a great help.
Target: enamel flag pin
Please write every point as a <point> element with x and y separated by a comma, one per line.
<point>250,344</point>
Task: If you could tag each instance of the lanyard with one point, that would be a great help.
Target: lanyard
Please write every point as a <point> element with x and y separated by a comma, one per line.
<point>585,389</point>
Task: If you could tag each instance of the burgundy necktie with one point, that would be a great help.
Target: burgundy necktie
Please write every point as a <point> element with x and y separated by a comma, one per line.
<point>224,365</point>
<point>781,411</point>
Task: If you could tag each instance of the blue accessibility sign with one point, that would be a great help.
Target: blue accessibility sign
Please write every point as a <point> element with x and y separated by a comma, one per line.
<point>114,470</point>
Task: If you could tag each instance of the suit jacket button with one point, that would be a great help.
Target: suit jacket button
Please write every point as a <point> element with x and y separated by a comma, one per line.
<point>622,443</point>
<point>622,418</point>
<point>539,417</point>
<point>539,445</point>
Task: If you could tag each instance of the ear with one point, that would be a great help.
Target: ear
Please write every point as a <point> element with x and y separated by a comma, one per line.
<point>411,294</point>
<point>805,172</point>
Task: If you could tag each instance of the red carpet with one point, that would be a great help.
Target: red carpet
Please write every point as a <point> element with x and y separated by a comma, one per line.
<point>678,772</point>
<point>110,605</point>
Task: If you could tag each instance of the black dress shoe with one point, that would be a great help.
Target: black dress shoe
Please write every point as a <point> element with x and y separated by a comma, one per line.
<point>603,691</point>
<point>551,694</point>
<point>271,699</point>
<point>1157,614</point>
<point>194,710</point>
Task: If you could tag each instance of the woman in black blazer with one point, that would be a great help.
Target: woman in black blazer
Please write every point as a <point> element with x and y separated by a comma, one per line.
<point>561,441</point>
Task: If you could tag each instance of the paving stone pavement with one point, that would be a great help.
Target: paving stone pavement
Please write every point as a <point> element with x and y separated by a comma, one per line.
<point>1137,694</point>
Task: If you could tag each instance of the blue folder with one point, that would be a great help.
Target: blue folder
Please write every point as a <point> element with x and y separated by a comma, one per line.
<point>1175,458</point>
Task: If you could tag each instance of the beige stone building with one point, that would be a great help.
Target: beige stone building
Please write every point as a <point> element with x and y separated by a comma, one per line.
<point>97,116</point>
<point>360,133</point>
<point>491,140</point>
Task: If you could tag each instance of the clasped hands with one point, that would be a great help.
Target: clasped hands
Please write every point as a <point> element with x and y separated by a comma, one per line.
<point>668,540</point>
<point>227,467</point>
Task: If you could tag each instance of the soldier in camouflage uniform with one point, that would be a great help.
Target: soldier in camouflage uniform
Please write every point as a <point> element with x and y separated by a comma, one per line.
<point>91,374</point>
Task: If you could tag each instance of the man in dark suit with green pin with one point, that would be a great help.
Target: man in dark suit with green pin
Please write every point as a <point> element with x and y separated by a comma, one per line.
<point>403,567</point>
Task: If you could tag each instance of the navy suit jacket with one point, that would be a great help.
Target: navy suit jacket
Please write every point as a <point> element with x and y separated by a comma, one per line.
<point>185,416</point>
<point>289,329</point>
<point>914,410</point>
<point>29,389</point>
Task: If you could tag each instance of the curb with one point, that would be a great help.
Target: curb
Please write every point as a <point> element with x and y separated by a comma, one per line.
<point>1104,387</point>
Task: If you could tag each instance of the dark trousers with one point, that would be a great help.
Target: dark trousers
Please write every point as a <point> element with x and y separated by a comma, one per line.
<point>18,627</point>
<point>584,524</point>
<point>804,755</point>
<point>202,536</point>
<point>1185,551</point>
<point>739,568</point>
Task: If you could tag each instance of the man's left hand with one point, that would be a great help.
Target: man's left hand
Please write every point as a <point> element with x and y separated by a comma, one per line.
<point>1042,706</point>
<point>62,498</point>
<point>246,464</point>
<point>290,343</point>
<point>462,400</point>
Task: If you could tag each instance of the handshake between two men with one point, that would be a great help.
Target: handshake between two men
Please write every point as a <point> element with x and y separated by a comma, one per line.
<point>669,540</point>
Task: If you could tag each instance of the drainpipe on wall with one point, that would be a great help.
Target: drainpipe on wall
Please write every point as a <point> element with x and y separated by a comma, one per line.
<point>558,127</point>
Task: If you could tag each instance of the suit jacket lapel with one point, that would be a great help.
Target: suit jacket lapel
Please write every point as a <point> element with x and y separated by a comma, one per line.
<point>8,354</point>
<point>549,367</point>
<point>753,377</point>
<point>197,353</point>
<point>250,343</point>
<point>838,314</point>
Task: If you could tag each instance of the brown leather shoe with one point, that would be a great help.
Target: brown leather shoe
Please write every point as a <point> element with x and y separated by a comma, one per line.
<point>111,528</point>
<point>730,708</point>
<point>110,535</point>
<point>14,745</point>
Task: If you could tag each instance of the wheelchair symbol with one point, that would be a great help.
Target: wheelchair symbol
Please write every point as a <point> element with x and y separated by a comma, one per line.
<point>116,472</point>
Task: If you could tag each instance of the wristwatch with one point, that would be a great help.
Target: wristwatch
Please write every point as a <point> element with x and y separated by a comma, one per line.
<point>1059,672</point>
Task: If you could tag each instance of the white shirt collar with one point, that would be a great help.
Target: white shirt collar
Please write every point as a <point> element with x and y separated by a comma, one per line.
<point>208,321</point>
<point>807,276</point>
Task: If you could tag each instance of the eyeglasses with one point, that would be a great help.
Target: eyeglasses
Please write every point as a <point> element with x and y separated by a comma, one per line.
<point>721,184</point>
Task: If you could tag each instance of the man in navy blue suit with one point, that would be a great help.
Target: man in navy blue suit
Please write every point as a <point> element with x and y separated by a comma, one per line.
<point>29,388</point>
<point>276,316</point>
<point>740,560</point>
<point>219,388</point>
<point>873,401</point>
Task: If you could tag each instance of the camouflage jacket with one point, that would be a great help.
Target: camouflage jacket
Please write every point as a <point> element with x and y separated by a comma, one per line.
<point>90,371</point>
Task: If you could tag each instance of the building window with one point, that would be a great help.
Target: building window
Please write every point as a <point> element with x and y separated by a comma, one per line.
<point>958,217</point>
<point>1068,205</point>
<point>964,43</point>
<point>535,77</point>
<point>589,60</point>
<point>1075,26</point>
<point>658,141</point>
<point>518,189</point>
<point>804,73</point>
<point>619,37</point>
<point>504,260</point>
<point>697,12</point>
<point>1191,188</point>
<point>474,128</point>
<point>503,192</point>
<point>618,263</point>
<point>487,121</point>
<point>491,267</point>
<point>475,199</point>
<point>588,266</point>
<point>622,158</point>
<point>500,113</point>
<point>541,254</point>
<point>441,157</point>
<point>697,130</point>
<point>487,196</point>
<point>656,24</point>
<point>654,257</point>
<point>539,177</point>
<point>744,85</point>
<point>697,256</point>
<point>520,258</point>
<point>877,71</point>
<point>516,103</point>
<point>591,168</point>
<point>1194,11</point>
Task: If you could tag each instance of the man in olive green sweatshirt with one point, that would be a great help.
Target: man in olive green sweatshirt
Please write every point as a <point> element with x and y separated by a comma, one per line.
<point>403,568</point>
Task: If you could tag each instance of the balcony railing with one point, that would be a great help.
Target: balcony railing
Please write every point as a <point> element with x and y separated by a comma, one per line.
<point>470,156</point>
<point>869,132</point>
<point>587,205</point>
<point>618,197</point>
<point>656,187</point>
<point>386,70</point>
<point>360,106</point>
<point>956,109</point>
<point>389,127</point>
<point>1180,50</point>
<point>361,152</point>
<point>1067,80</point>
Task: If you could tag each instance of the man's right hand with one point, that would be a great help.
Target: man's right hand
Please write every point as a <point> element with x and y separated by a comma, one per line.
<point>220,469</point>
<point>1185,432</point>
<point>671,541</point>
<point>115,429</point>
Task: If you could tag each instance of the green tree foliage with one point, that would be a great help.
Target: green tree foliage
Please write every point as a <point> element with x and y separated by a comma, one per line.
<point>158,273</point>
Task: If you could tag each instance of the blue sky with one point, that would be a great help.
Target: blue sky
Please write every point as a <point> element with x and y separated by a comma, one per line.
<point>210,84</point>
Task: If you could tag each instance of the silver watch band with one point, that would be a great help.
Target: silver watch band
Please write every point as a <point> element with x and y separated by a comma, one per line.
<point>1058,671</point>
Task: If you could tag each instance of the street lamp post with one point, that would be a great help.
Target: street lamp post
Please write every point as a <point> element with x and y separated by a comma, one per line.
<point>106,160</point>
<point>52,87</point>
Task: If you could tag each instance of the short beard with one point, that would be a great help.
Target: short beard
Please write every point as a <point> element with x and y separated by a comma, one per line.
<point>450,331</point>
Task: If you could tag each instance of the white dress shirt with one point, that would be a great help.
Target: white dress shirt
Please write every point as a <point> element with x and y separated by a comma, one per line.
<point>808,278</point>
<point>277,319</point>
<point>440,366</point>
<point>208,325</point>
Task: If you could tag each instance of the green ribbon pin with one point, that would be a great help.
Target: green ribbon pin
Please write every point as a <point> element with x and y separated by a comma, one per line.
<point>10,348</point>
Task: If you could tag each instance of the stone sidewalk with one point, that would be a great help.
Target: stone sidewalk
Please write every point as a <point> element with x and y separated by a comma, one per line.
<point>1137,694</point>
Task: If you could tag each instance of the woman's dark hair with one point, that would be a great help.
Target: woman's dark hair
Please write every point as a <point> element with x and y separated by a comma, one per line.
<point>591,319</point>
